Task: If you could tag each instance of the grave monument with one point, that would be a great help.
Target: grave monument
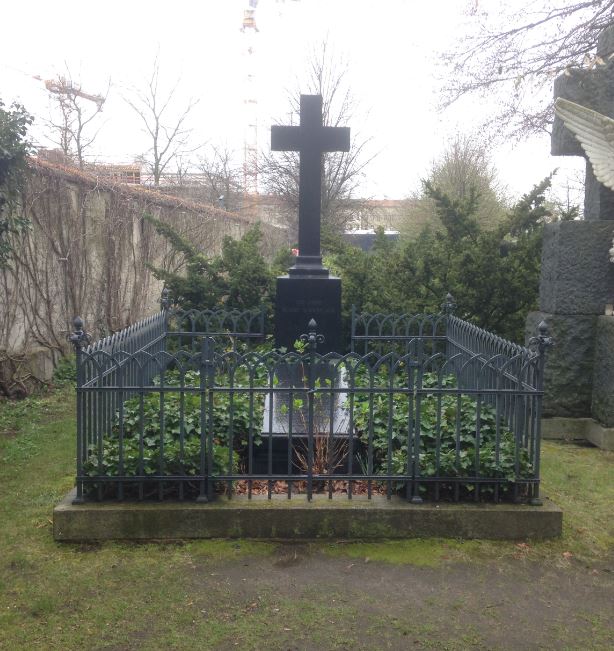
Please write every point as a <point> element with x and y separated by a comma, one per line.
<point>308,291</point>
<point>308,297</point>
<point>577,278</point>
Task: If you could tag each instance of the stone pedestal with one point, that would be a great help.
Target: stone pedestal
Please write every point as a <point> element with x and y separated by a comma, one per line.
<point>577,276</point>
<point>568,376</point>
<point>302,298</point>
<point>577,281</point>
<point>603,372</point>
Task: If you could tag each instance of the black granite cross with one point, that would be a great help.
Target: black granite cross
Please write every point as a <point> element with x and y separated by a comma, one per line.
<point>310,139</point>
<point>593,88</point>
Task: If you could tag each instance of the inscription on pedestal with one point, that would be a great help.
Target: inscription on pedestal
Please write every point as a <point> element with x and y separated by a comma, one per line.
<point>299,300</point>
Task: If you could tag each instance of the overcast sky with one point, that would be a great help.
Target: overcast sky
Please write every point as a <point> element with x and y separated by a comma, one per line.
<point>390,47</point>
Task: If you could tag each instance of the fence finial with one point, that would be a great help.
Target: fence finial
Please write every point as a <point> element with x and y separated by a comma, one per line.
<point>312,338</point>
<point>540,344</point>
<point>165,299</point>
<point>449,305</point>
<point>79,338</point>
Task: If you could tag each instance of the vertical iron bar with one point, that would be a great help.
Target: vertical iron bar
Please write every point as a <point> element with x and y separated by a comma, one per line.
<point>331,441</point>
<point>438,442</point>
<point>351,390</point>
<point>78,339</point>
<point>391,372</point>
<point>250,433</point>
<point>210,348</point>
<point>410,427</point>
<point>290,425</point>
<point>120,391</point>
<point>457,446</point>
<point>161,465</point>
<point>497,439</point>
<point>182,429</point>
<point>415,498</point>
<point>141,393</point>
<point>478,432</point>
<point>202,496</point>
<point>353,328</point>
<point>310,424</point>
<point>231,410</point>
<point>98,421</point>
<point>370,431</point>
<point>270,433</point>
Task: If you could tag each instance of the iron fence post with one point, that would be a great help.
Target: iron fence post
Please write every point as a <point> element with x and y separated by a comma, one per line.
<point>312,339</point>
<point>203,380</point>
<point>206,433</point>
<point>540,344</point>
<point>79,339</point>
<point>353,328</point>
<point>165,304</point>
<point>416,497</point>
<point>448,307</point>
<point>261,324</point>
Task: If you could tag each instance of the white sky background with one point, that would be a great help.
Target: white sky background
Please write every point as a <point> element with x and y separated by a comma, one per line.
<point>390,47</point>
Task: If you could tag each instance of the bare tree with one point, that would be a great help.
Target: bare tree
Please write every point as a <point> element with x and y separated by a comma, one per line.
<point>517,50</point>
<point>164,122</point>
<point>221,177</point>
<point>74,115</point>
<point>342,172</point>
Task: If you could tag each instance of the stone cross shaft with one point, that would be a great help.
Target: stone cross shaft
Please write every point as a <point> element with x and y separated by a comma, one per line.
<point>311,139</point>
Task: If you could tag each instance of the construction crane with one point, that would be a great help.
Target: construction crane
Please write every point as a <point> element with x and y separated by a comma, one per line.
<point>250,101</point>
<point>250,29</point>
<point>63,86</point>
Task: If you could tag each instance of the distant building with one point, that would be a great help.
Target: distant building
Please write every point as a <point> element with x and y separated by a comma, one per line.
<point>365,238</point>
<point>130,174</point>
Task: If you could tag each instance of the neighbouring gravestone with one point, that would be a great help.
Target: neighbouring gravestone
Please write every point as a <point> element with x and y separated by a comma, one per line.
<point>309,291</point>
<point>577,277</point>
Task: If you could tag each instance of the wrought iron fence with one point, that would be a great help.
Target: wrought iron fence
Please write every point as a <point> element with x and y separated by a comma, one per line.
<point>185,328</point>
<point>450,411</point>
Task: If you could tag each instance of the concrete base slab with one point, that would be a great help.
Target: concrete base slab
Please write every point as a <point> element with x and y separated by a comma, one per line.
<point>280,518</point>
<point>578,429</point>
<point>602,437</point>
<point>565,429</point>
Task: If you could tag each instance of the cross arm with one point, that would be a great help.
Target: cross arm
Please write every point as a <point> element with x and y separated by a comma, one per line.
<point>324,139</point>
<point>285,138</point>
<point>335,139</point>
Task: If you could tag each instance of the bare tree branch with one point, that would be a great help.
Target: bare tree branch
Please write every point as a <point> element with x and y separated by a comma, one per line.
<point>342,172</point>
<point>516,51</point>
<point>166,127</point>
<point>76,112</point>
<point>222,178</point>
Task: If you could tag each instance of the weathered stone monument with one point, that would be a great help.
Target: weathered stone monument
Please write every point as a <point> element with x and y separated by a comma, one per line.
<point>577,278</point>
<point>309,291</point>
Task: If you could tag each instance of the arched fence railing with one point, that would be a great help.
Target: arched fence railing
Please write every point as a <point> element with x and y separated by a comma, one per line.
<point>185,328</point>
<point>431,408</point>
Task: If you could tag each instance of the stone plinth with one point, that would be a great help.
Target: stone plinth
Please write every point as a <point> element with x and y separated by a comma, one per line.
<point>603,372</point>
<point>302,298</point>
<point>576,275</point>
<point>298,519</point>
<point>568,375</point>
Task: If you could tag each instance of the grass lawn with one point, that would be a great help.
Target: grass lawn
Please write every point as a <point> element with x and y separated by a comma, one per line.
<point>432,594</point>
